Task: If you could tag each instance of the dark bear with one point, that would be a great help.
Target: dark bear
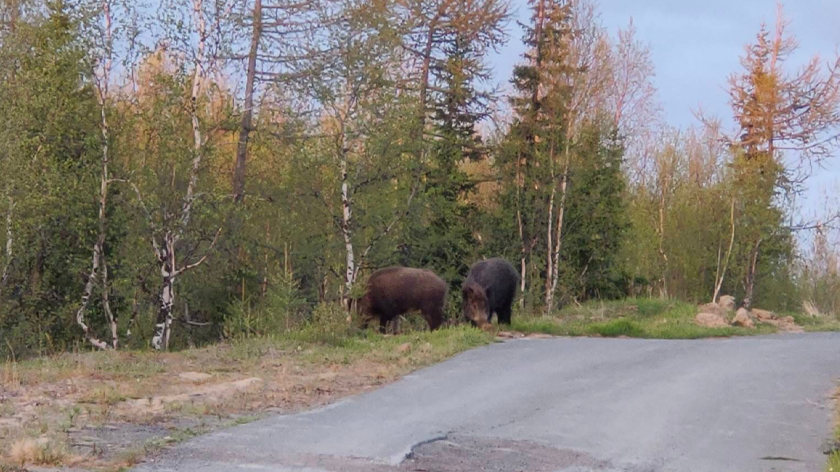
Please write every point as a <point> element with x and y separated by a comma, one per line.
<point>490,288</point>
<point>394,291</point>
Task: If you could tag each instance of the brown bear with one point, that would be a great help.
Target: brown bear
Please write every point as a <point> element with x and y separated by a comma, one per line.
<point>394,291</point>
<point>489,288</point>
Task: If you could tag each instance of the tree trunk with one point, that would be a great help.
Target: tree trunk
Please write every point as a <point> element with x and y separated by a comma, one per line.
<point>198,82</point>
<point>99,268</point>
<point>561,213</point>
<point>549,260</point>
<point>10,252</point>
<point>555,243</point>
<point>247,116</point>
<point>346,227</point>
<point>662,254</point>
<point>720,277</point>
<point>80,314</point>
<point>523,258</point>
<point>166,297</point>
<point>165,252</point>
<point>538,33</point>
<point>188,322</point>
<point>549,254</point>
<point>749,283</point>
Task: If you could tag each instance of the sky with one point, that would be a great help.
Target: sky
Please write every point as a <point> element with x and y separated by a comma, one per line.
<point>696,45</point>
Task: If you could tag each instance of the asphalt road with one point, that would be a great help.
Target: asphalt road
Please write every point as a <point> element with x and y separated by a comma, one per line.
<point>741,404</point>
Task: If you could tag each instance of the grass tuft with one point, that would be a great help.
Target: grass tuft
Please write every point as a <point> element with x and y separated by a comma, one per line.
<point>43,451</point>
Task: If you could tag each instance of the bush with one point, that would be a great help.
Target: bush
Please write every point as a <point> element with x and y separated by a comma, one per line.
<point>279,311</point>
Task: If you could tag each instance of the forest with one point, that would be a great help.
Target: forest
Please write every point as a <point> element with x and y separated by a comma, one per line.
<point>181,172</point>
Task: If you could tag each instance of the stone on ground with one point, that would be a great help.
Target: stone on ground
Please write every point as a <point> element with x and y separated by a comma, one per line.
<point>727,302</point>
<point>743,319</point>
<point>711,320</point>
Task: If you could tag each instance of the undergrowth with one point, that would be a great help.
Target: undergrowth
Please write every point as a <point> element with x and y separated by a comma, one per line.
<point>633,318</point>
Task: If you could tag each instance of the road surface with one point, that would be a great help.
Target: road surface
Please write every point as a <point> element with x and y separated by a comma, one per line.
<point>741,404</point>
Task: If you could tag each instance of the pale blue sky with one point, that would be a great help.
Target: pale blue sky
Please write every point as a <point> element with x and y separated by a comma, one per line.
<point>695,45</point>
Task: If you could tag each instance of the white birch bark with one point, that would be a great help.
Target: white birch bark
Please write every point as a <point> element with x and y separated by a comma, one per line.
<point>346,230</point>
<point>165,251</point>
<point>10,243</point>
<point>558,243</point>
<point>719,279</point>
<point>99,269</point>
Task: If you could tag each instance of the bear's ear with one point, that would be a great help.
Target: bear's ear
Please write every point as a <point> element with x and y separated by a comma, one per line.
<point>474,291</point>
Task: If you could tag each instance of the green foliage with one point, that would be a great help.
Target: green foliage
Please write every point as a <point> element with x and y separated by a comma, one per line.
<point>48,149</point>
<point>279,310</point>
<point>596,222</point>
<point>370,146</point>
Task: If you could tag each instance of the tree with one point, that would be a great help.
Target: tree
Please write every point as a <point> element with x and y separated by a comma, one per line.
<point>458,97</point>
<point>248,112</point>
<point>173,228</point>
<point>47,151</point>
<point>103,51</point>
<point>536,136</point>
<point>280,32</point>
<point>350,79</point>
<point>596,218</point>
<point>780,116</point>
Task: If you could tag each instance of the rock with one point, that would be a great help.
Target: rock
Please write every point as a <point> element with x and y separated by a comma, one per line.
<point>785,325</point>
<point>711,320</point>
<point>403,348</point>
<point>539,336</point>
<point>194,377</point>
<point>764,315</point>
<point>712,308</point>
<point>727,302</point>
<point>743,319</point>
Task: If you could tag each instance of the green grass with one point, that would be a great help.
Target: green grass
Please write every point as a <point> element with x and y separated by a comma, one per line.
<point>833,463</point>
<point>834,458</point>
<point>633,318</point>
<point>815,324</point>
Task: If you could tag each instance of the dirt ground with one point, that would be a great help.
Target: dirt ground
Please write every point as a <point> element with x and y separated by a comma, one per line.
<point>106,411</point>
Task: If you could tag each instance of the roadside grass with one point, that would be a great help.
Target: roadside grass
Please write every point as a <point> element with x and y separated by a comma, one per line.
<point>834,458</point>
<point>108,410</point>
<point>822,323</point>
<point>632,318</point>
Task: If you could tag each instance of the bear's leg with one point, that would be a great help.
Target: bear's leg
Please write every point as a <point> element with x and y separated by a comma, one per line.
<point>433,314</point>
<point>504,314</point>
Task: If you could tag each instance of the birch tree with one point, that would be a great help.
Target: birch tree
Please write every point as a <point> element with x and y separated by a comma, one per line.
<point>174,229</point>
<point>104,51</point>
<point>350,80</point>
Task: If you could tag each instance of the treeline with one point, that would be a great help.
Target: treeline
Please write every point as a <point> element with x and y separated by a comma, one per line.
<point>192,170</point>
